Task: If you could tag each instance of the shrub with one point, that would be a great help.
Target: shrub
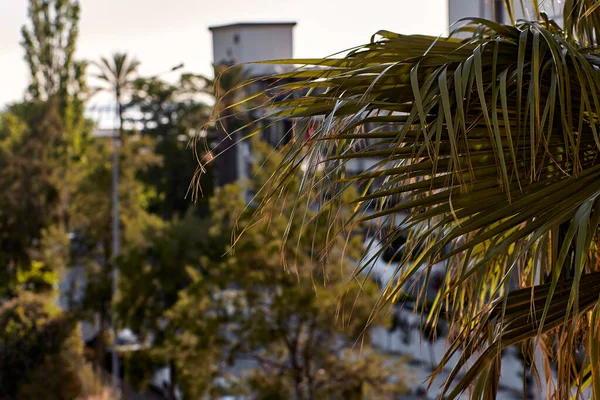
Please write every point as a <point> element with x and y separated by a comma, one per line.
<point>41,352</point>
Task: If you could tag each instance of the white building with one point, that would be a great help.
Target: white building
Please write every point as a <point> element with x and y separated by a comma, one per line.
<point>245,43</point>
<point>248,42</point>
<point>487,9</point>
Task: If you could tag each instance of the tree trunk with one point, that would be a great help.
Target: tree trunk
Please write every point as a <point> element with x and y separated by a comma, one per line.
<point>172,379</point>
<point>296,367</point>
<point>119,108</point>
<point>100,348</point>
<point>298,385</point>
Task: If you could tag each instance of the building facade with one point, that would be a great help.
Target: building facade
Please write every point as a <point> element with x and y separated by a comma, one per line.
<point>496,11</point>
<point>243,44</point>
<point>248,42</point>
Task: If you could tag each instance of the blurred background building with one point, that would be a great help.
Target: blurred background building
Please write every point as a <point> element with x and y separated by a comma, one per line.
<point>244,43</point>
<point>495,10</point>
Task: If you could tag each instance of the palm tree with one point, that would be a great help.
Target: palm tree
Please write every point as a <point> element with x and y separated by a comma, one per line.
<point>488,146</point>
<point>117,73</point>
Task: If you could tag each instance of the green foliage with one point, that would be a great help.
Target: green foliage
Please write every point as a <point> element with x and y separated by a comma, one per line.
<point>139,367</point>
<point>488,145</point>
<point>91,222</point>
<point>91,211</point>
<point>32,206</point>
<point>37,276</point>
<point>350,375</point>
<point>41,141</point>
<point>153,280</point>
<point>91,204</point>
<point>152,276</point>
<point>267,387</point>
<point>173,115</point>
<point>116,74</point>
<point>49,41</point>
<point>297,324</point>
<point>41,353</point>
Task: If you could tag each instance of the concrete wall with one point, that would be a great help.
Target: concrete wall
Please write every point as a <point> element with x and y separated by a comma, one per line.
<point>267,43</point>
<point>225,49</point>
<point>458,9</point>
<point>243,43</point>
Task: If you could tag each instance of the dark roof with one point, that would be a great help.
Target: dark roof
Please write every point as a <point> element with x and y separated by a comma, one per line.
<point>250,24</point>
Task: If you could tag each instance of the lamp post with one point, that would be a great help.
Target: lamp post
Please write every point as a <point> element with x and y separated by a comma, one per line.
<point>115,223</point>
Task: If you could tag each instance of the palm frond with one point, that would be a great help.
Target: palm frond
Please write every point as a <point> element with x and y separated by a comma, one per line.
<point>487,145</point>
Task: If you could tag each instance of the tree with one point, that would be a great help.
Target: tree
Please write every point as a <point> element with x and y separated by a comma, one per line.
<point>117,73</point>
<point>488,145</point>
<point>41,354</point>
<point>173,115</point>
<point>49,44</point>
<point>247,306</point>
<point>91,222</point>
<point>54,102</point>
<point>50,41</point>
<point>153,276</point>
<point>32,206</point>
<point>152,280</point>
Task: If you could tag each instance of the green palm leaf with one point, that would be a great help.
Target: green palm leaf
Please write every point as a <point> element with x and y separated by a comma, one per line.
<point>488,145</point>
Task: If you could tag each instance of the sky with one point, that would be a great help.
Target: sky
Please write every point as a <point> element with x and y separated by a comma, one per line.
<point>164,33</point>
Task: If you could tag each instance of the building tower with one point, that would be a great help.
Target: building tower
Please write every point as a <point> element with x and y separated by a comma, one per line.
<point>242,43</point>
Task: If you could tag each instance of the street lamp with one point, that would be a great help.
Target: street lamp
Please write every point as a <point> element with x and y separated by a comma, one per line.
<point>115,228</point>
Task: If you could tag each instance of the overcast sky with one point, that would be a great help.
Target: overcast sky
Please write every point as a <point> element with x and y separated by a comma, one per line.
<point>163,33</point>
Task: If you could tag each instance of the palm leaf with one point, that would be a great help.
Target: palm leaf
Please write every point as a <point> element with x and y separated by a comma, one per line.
<point>488,145</point>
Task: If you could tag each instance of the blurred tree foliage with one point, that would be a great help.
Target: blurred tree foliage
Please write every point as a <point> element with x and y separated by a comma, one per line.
<point>296,327</point>
<point>49,40</point>
<point>207,309</point>
<point>41,353</point>
<point>91,224</point>
<point>42,141</point>
<point>173,115</point>
<point>32,205</point>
